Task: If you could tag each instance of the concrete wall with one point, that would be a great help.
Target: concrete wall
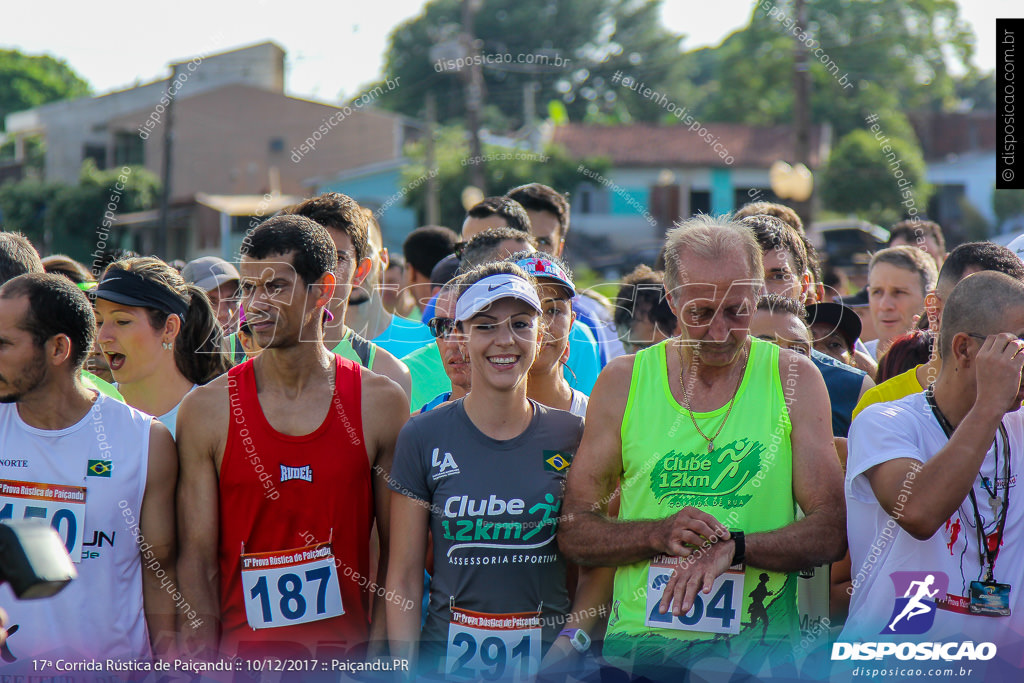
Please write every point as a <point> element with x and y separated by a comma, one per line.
<point>223,141</point>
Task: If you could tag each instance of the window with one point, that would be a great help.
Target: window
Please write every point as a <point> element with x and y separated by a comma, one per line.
<point>700,202</point>
<point>129,149</point>
<point>276,145</point>
<point>97,153</point>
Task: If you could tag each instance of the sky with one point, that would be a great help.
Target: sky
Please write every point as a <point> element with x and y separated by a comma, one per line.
<point>333,48</point>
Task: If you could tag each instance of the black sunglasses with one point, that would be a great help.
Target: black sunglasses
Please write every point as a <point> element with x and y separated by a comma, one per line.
<point>441,327</point>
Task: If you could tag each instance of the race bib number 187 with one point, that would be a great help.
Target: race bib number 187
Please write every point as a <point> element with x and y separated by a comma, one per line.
<point>714,612</point>
<point>63,507</point>
<point>291,587</point>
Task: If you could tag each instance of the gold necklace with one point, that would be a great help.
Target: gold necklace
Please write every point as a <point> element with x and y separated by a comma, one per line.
<point>686,398</point>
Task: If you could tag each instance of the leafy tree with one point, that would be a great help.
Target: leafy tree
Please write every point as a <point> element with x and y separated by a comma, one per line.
<point>1007,204</point>
<point>600,37</point>
<point>861,179</point>
<point>65,218</point>
<point>27,81</point>
<point>505,168</point>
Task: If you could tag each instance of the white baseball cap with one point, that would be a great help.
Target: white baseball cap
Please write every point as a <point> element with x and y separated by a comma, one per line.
<point>1017,246</point>
<point>480,295</point>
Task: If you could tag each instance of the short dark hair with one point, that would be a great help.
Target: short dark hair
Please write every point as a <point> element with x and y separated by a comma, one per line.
<point>509,209</point>
<point>642,295</point>
<point>341,212</point>
<point>538,197</point>
<point>777,303</point>
<point>780,211</point>
<point>908,258</point>
<point>912,230</point>
<point>309,243</point>
<point>425,247</point>
<point>483,246</point>
<point>983,256</point>
<point>773,233</point>
<point>17,256</point>
<point>55,306</point>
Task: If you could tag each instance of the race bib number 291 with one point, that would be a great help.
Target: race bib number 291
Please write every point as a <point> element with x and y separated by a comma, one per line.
<point>493,646</point>
<point>714,612</point>
<point>63,507</point>
<point>291,587</point>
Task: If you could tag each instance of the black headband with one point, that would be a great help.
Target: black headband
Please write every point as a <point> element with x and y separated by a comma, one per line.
<point>131,289</point>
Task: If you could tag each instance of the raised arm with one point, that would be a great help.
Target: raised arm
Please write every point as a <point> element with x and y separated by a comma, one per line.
<point>941,484</point>
<point>199,417</point>
<point>157,532</point>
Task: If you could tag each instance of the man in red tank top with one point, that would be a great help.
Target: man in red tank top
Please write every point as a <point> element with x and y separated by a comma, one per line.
<point>284,469</point>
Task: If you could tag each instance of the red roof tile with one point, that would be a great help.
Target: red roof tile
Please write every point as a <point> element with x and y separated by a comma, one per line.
<point>646,144</point>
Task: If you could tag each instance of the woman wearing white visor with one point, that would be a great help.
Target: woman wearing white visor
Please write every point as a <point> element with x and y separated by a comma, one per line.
<point>485,475</point>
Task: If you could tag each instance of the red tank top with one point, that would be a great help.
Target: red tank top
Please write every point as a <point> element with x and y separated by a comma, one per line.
<point>281,492</point>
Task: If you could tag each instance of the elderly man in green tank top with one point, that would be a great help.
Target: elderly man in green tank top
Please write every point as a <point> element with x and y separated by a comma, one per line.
<point>711,439</point>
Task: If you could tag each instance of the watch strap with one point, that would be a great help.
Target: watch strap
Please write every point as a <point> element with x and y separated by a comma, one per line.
<point>739,555</point>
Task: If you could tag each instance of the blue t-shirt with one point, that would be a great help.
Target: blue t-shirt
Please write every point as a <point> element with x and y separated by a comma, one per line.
<point>403,336</point>
<point>584,362</point>
<point>843,383</point>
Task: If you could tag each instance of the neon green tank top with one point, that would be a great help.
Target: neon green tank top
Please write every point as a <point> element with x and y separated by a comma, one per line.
<point>745,482</point>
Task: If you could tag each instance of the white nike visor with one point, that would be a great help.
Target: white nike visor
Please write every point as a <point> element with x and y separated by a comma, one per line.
<point>480,295</point>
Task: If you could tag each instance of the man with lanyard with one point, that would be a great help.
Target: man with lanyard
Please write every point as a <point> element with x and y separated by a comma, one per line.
<point>284,468</point>
<point>705,544</point>
<point>930,480</point>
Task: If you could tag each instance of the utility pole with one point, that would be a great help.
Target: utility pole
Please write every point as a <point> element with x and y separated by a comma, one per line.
<point>474,81</point>
<point>433,200</point>
<point>165,192</point>
<point>801,108</point>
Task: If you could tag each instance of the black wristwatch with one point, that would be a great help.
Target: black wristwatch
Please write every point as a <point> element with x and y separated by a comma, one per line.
<point>739,555</point>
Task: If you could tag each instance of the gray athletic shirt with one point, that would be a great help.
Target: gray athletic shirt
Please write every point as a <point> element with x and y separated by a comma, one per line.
<point>494,509</point>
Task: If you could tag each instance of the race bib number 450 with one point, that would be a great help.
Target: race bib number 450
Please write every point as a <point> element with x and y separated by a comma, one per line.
<point>714,612</point>
<point>62,506</point>
<point>291,587</point>
<point>493,646</point>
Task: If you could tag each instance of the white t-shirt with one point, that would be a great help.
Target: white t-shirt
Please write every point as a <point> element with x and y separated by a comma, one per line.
<point>872,348</point>
<point>578,407</point>
<point>100,614</point>
<point>880,549</point>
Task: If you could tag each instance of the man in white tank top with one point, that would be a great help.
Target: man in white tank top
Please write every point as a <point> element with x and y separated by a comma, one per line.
<point>100,472</point>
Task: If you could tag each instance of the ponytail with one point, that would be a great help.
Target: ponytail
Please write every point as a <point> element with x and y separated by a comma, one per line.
<point>199,348</point>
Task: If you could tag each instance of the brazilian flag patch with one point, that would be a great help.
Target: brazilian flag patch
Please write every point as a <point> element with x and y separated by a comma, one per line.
<point>556,461</point>
<point>100,468</point>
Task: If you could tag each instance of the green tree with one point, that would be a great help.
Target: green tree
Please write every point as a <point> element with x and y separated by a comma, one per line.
<point>878,181</point>
<point>1007,204</point>
<point>65,218</point>
<point>505,169</point>
<point>27,81</point>
<point>598,37</point>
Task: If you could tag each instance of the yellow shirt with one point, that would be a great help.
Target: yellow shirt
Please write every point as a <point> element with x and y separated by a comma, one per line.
<point>891,389</point>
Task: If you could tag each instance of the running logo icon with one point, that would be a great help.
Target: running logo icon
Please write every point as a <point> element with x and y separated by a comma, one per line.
<point>446,466</point>
<point>914,612</point>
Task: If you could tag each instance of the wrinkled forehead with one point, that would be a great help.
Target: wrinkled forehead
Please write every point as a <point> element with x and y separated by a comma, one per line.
<point>258,271</point>
<point>722,293</point>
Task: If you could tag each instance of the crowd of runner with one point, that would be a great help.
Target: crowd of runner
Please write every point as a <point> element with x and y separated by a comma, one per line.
<point>460,459</point>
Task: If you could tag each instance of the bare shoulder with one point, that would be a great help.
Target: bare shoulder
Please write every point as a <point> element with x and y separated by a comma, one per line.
<point>384,363</point>
<point>204,413</point>
<point>382,396</point>
<point>612,388</point>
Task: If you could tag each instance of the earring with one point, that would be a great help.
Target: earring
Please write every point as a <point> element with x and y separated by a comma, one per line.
<point>168,346</point>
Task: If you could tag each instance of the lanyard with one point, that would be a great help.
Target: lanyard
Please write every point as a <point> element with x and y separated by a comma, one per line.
<point>986,555</point>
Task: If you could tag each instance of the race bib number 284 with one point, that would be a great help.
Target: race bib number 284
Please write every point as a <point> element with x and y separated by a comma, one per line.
<point>714,612</point>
